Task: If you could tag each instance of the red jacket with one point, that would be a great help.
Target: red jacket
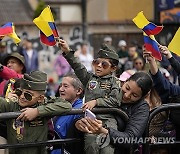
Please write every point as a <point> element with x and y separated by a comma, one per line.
<point>7,74</point>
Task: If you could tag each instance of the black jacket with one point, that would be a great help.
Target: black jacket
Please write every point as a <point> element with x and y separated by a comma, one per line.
<point>138,117</point>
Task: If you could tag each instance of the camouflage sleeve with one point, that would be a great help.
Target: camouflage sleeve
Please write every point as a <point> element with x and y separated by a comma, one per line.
<point>59,106</point>
<point>113,99</point>
<point>6,105</point>
<point>78,68</point>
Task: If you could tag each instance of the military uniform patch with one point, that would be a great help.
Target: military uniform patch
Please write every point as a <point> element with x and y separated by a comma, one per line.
<point>36,122</point>
<point>92,84</point>
<point>105,85</point>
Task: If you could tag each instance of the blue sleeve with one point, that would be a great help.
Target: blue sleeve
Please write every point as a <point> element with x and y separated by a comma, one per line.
<point>164,87</point>
<point>63,123</point>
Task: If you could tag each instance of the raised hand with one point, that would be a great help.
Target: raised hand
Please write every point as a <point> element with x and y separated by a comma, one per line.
<point>152,62</point>
<point>165,51</point>
<point>62,44</point>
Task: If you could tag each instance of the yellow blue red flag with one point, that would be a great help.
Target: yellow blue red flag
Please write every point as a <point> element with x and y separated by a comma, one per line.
<point>152,45</point>
<point>14,36</point>
<point>174,45</point>
<point>48,31</point>
<point>9,30</point>
<point>148,27</point>
<point>6,29</point>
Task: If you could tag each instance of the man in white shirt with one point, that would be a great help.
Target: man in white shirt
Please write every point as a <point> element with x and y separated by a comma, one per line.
<point>85,57</point>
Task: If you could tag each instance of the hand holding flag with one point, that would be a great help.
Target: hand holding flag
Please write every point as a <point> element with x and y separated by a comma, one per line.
<point>152,45</point>
<point>149,30</point>
<point>48,31</point>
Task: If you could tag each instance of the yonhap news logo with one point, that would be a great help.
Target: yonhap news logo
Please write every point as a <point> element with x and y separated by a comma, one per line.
<point>104,140</point>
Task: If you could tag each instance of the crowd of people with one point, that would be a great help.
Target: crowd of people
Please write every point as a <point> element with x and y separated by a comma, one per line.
<point>126,78</point>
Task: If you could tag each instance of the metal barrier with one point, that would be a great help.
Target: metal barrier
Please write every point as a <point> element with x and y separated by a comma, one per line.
<point>61,142</point>
<point>122,114</point>
<point>154,112</point>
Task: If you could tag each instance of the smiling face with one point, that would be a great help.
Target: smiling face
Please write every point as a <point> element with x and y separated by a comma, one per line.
<point>131,92</point>
<point>67,91</point>
<point>102,67</point>
<point>24,101</point>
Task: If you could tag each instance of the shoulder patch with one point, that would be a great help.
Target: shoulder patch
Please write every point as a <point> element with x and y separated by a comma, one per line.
<point>92,84</point>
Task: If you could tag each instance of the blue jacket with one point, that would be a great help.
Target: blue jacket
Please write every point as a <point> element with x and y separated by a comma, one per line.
<point>164,87</point>
<point>62,123</point>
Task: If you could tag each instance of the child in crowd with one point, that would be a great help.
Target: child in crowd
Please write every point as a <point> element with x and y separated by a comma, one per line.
<point>102,88</point>
<point>31,94</point>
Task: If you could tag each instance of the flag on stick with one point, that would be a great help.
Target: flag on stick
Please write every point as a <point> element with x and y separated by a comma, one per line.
<point>148,27</point>
<point>174,45</point>
<point>152,45</point>
<point>48,31</point>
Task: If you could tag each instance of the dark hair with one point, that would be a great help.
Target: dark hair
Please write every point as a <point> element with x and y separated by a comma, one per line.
<point>84,43</point>
<point>76,83</point>
<point>143,80</point>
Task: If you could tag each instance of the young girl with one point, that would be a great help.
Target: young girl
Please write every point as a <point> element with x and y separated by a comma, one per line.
<point>102,89</point>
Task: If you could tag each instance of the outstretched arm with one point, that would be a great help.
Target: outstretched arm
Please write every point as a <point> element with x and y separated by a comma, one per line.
<point>59,107</point>
<point>174,63</point>
<point>163,86</point>
<point>79,69</point>
<point>7,73</point>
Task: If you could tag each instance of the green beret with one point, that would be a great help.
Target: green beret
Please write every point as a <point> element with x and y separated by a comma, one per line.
<point>107,52</point>
<point>36,81</point>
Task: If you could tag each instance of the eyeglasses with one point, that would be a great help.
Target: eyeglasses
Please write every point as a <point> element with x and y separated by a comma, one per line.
<point>104,64</point>
<point>26,94</point>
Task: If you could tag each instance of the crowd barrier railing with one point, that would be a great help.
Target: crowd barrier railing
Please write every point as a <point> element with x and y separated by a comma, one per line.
<point>154,112</point>
<point>60,142</point>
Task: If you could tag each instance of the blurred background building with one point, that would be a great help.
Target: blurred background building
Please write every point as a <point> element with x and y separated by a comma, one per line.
<point>90,20</point>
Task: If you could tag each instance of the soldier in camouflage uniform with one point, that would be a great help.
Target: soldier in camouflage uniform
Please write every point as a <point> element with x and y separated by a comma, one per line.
<point>31,94</point>
<point>102,88</point>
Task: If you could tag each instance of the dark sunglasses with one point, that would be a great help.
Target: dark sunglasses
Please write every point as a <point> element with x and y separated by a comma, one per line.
<point>27,95</point>
<point>104,64</point>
